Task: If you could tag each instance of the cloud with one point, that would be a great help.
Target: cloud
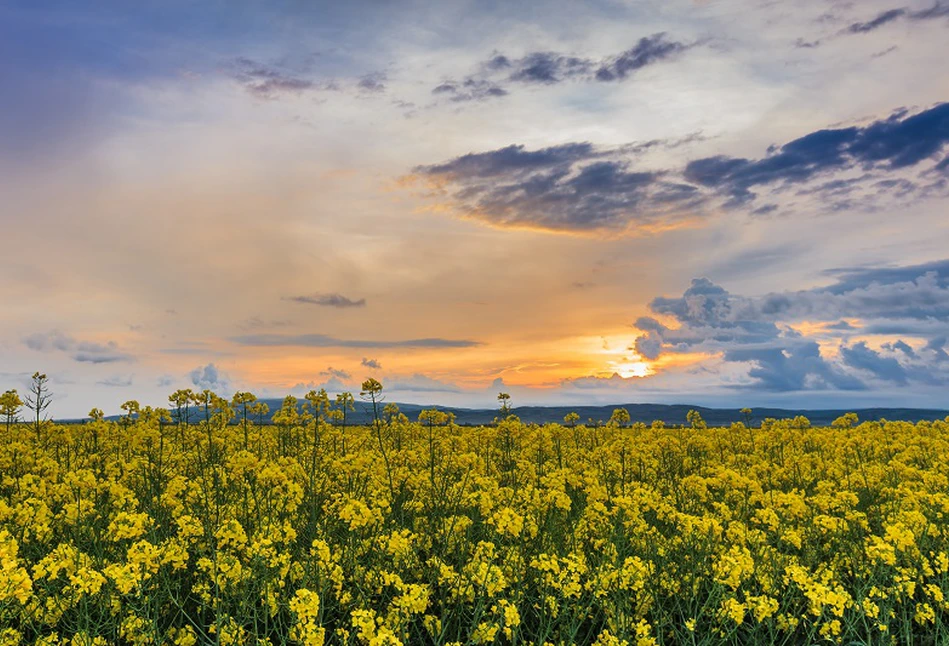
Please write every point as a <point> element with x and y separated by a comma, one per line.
<point>328,300</point>
<point>876,23</point>
<point>333,372</point>
<point>44,342</point>
<point>256,323</point>
<point>324,341</point>
<point>373,82</point>
<point>370,363</point>
<point>901,346</point>
<point>332,385</point>
<point>570,187</point>
<point>937,346</point>
<point>548,68</point>
<point>80,351</point>
<point>470,89</point>
<point>897,142</point>
<point>209,377</point>
<point>940,9</point>
<point>420,383</point>
<point>799,366</point>
<point>860,356</point>
<point>117,381</point>
<point>578,187</point>
<point>910,300</point>
<point>552,68</point>
<point>87,357</point>
<point>648,50</point>
<point>842,326</point>
<point>270,82</point>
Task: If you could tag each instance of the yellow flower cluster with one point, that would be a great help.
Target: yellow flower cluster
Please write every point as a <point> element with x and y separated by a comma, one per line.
<point>317,531</point>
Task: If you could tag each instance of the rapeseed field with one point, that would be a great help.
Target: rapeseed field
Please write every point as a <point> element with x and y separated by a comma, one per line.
<point>204,527</point>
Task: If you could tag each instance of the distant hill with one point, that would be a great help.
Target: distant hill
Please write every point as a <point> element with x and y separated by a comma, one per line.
<point>668,413</point>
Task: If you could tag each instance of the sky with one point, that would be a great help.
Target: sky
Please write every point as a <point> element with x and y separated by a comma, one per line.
<point>712,202</point>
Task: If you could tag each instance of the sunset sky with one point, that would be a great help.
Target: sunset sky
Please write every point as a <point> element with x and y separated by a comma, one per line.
<point>714,202</point>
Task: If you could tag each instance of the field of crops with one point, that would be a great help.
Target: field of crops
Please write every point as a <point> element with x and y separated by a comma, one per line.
<point>217,531</point>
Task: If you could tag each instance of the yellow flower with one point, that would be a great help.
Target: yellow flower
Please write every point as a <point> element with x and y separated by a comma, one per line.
<point>831,629</point>
<point>507,522</point>
<point>305,605</point>
<point>734,610</point>
<point>15,582</point>
<point>356,514</point>
<point>128,526</point>
<point>734,566</point>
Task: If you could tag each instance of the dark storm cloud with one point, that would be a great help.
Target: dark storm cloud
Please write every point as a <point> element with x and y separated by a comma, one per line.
<point>328,300</point>
<point>325,341</point>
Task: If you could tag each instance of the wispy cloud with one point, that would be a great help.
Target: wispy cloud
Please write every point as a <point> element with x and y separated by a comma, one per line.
<point>876,23</point>
<point>334,372</point>
<point>373,82</point>
<point>940,9</point>
<point>270,81</point>
<point>420,383</point>
<point>117,381</point>
<point>325,341</point>
<point>470,90</point>
<point>328,300</point>
<point>648,51</point>
<point>552,68</point>
<point>81,351</point>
